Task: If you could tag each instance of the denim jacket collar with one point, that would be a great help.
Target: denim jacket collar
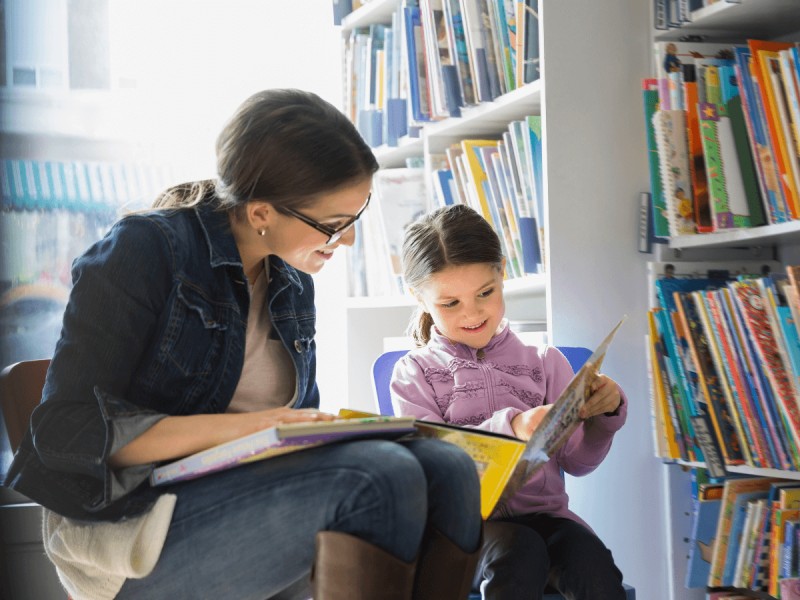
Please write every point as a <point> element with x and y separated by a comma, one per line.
<point>222,245</point>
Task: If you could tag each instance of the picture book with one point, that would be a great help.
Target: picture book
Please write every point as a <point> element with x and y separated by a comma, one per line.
<point>735,546</point>
<point>762,152</point>
<point>670,133</point>
<point>733,487</point>
<point>674,59</point>
<point>401,198</point>
<point>723,416</point>
<point>766,71</point>
<point>559,423</point>
<point>659,207</point>
<point>274,441</point>
<point>703,534</point>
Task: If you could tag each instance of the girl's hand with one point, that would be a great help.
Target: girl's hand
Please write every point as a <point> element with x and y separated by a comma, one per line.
<point>605,398</point>
<point>525,423</point>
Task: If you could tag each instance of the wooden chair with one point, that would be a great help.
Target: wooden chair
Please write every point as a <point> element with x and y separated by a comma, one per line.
<point>20,392</point>
<point>382,376</point>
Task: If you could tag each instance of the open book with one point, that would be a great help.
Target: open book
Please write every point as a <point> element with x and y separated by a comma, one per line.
<point>506,463</point>
<point>278,440</point>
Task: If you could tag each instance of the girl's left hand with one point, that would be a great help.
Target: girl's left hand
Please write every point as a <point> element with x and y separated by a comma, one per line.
<point>605,398</point>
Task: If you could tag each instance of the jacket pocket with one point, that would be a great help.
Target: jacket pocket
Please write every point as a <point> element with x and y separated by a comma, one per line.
<point>195,331</point>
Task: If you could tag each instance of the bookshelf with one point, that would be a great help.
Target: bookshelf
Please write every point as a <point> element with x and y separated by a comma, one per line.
<point>729,22</point>
<point>595,165</point>
<point>371,319</point>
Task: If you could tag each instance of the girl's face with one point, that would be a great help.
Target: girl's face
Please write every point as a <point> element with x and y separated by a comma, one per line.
<point>304,247</point>
<point>465,302</point>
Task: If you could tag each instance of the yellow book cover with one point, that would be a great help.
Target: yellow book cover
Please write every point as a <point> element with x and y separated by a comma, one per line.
<point>495,455</point>
<point>476,175</point>
<point>733,487</point>
<point>662,401</point>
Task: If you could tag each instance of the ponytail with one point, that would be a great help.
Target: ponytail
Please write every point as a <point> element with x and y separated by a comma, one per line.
<point>185,195</point>
<point>420,328</point>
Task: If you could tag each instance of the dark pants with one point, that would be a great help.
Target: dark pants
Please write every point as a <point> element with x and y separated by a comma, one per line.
<point>520,556</point>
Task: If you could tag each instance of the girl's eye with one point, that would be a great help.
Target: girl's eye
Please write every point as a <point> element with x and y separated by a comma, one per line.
<point>485,293</point>
<point>450,304</point>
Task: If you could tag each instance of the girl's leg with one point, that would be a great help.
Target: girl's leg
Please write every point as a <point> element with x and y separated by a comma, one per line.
<point>249,532</point>
<point>581,565</point>
<point>513,562</point>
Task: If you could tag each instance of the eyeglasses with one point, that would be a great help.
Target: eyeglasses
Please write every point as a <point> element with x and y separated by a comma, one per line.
<point>334,233</point>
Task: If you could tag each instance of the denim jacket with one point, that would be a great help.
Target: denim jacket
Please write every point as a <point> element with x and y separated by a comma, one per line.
<point>155,326</point>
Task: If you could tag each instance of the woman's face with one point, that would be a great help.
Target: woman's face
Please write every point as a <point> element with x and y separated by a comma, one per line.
<point>304,247</point>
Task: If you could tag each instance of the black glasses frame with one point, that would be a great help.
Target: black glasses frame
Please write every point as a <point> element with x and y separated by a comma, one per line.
<point>334,235</point>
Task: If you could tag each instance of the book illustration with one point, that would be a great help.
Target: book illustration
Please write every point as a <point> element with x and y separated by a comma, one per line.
<point>275,441</point>
<point>701,542</point>
<point>670,132</point>
<point>659,208</point>
<point>559,423</point>
<point>674,60</point>
<point>728,201</point>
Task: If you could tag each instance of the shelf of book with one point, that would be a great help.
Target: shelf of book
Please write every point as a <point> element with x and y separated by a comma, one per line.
<point>728,21</point>
<point>396,156</point>
<point>781,233</point>
<point>718,367</point>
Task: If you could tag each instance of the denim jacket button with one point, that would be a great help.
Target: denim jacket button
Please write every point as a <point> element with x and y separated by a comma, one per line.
<point>298,345</point>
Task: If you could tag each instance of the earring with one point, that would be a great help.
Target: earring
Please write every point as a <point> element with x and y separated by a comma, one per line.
<point>262,232</point>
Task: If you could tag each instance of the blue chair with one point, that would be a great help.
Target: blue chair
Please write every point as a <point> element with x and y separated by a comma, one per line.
<point>382,376</point>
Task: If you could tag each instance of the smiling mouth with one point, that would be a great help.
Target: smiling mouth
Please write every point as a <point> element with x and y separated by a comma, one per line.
<point>474,327</point>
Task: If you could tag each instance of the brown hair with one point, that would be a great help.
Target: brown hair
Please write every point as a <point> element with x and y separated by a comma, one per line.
<point>285,146</point>
<point>447,237</point>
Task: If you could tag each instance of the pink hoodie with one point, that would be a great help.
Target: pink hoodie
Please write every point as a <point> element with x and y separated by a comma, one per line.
<point>451,383</point>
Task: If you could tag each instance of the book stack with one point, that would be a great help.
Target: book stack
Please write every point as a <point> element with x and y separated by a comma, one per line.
<point>434,58</point>
<point>723,135</point>
<point>725,359</point>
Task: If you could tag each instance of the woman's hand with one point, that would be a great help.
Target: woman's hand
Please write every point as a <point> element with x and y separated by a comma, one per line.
<point>525,423</point>
<point>264,419</point>
<point>605,398</point>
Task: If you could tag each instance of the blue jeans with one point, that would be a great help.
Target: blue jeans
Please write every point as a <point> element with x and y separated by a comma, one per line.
<point>249,532</point>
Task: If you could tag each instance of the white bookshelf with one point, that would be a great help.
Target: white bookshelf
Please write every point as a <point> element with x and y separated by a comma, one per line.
<point>735,22</point>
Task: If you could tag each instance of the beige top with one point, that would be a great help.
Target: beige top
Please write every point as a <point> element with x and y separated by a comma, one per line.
<point>268,377</point>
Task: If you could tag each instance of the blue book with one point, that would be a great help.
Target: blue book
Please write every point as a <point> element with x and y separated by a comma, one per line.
<point>737,527</point>
<point>701,541</point>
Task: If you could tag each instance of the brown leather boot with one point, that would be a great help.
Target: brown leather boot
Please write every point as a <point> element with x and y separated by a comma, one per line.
<point>348,568</point>
<point>444,571</point>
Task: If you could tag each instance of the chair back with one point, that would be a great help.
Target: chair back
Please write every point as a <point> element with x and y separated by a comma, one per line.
<point>20,392</point>
<point>384,365</point>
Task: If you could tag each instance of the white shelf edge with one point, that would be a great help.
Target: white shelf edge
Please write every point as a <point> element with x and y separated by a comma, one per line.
<point>394,156</point>
<point>376,11</point>
<point>515,104</point>
<point>752,236</point>
<point>529,284</point>
<point>745,470</point>
<point>732,21</point>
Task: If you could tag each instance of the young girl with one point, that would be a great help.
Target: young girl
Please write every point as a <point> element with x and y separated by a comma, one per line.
<point>470,369</point>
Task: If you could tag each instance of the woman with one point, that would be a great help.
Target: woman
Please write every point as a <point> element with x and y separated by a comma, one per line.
<point>192,325</point>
